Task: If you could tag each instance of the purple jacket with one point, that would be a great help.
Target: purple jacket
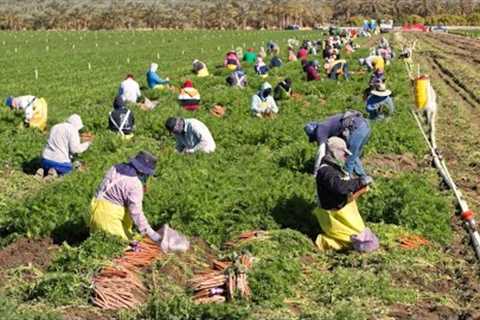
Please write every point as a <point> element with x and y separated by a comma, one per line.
<point>333,127</point>
<point>312,73</point>
<point>121,186</point>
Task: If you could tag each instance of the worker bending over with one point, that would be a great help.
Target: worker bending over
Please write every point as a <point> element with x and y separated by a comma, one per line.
<point>35,110</point>
<point>191,135</point>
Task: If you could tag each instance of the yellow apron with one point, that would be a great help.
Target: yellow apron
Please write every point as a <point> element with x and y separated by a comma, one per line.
<point>338,226</point>
<point>110,218</point>
<point>232,67</point>
<point>160,87</point>
<point>378,63</point>
<point>39,118</point>
<point>203,73</point>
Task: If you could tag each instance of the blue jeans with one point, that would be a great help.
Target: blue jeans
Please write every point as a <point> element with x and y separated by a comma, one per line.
<point>333,73</point>
<point>61,168</point>
<point>358,138</point>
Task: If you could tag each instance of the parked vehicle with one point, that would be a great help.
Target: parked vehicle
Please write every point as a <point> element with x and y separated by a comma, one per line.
<point>386,26</point>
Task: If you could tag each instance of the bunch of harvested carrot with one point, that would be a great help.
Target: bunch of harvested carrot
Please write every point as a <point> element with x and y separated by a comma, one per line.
<point>412,242</point>
<point>246,236</point>
<point>222,283</point>
<point>119,286</point>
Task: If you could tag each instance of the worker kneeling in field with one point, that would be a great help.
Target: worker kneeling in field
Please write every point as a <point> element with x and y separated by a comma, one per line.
<point>238,78</point>
<point>63,142</point>
<point>283,90</point>
<point>250,56</point>
<point>261,68</point>
<point>379,104</point>
<point>189,97</point>
<point>338,214</point>
<point>35,110</point>
<point>191,135</point>
<point>118,201</point>
<point>130,89</point>
<point>373,63</point>
<point>121,119</point>
<point>153,79</point>
<point>311,69</point>
<point>231,60</point>
<point>263,104</point>
<point>336,68</point>
<point>350,126</point>
<point>200,68</point>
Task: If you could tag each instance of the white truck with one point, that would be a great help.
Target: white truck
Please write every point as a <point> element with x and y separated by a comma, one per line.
<point>386,26</point>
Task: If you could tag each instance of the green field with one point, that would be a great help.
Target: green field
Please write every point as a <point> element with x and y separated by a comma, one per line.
<point>259,178</point>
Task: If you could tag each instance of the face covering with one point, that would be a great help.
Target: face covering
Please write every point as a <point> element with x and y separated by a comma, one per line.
<point>143,179</point>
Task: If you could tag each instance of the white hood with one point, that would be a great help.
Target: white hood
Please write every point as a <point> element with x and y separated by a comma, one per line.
<point>75,121</point>
<point>153,67</point>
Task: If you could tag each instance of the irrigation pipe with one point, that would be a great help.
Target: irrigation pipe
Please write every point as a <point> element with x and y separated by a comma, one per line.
<point>467,214</point>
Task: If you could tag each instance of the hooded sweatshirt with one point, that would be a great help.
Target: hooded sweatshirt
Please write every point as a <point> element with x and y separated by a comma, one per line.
<point>64,141</point>
<point>261,102</point>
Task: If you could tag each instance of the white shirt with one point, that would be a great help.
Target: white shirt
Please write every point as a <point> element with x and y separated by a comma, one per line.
<point>63,141</point>
<point>130,90</point>
<point>24,103</point>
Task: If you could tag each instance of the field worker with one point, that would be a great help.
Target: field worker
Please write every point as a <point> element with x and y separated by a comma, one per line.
<point>302,54</point>
<point>291,55</point>
<point>191,135</point>
<point>262,54</point>
<point>350,126</point>
<point>250,56</point>
<point>379,103</point>
<point>153,79</point>
<point>283,90</point>
<point>373,63</point>
<point>121,119</point>
<point>231,60</point>
<point>338,216</point>
<point>335,68</point>
<point>261,68</point>
<point>63,142</point>
<point>118,202</point>
<point>311,70</point>
<point>200,68</point>
<point>189,97</point>
<point>273,48</point>
<point>238,78</point>
<point>275,62</point>
<point>35,110</point>
<point>130,89</point>
<point>263,104</point>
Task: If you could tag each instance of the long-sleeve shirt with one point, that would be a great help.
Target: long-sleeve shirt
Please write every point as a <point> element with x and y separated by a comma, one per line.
<point>153,79</point>
<point>63,141</point>
<point>195,137</point>
<point>334,185</point>
<point>25,103</point>
<point>312,73</point>
<point>121,186</point>
<point>263,105</point>
<point>231,59</point>
<point>379,106</point>
<point>130,90</point>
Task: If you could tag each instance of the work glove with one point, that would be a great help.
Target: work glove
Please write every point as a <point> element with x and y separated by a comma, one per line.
<point>366,180</point>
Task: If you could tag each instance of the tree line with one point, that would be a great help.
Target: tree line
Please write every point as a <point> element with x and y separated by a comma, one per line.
<point>227,14</point>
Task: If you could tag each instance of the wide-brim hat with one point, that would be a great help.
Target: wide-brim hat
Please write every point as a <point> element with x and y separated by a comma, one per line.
<point>384,93</point>
<point>144,163</point>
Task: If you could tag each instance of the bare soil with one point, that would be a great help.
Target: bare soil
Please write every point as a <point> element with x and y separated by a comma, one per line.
<point>38,252</point>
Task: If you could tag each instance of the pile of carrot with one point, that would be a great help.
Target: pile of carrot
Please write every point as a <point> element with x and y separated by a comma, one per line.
<point>119,286</point>
<point>222,281</point>
<point>412,242</point>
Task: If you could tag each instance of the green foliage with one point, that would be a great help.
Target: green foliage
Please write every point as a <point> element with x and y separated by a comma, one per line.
<point>10,311</point>
<point>182,308</point>
<point>410,200</point>
<point>69,276</point>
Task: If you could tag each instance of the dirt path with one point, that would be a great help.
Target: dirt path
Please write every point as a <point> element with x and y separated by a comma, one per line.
<point>458,124</point>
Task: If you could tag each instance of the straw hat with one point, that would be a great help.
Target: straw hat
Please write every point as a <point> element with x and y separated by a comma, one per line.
<point>381,90</point>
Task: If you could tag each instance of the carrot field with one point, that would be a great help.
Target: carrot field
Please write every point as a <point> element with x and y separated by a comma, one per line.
<point>259,178</point>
